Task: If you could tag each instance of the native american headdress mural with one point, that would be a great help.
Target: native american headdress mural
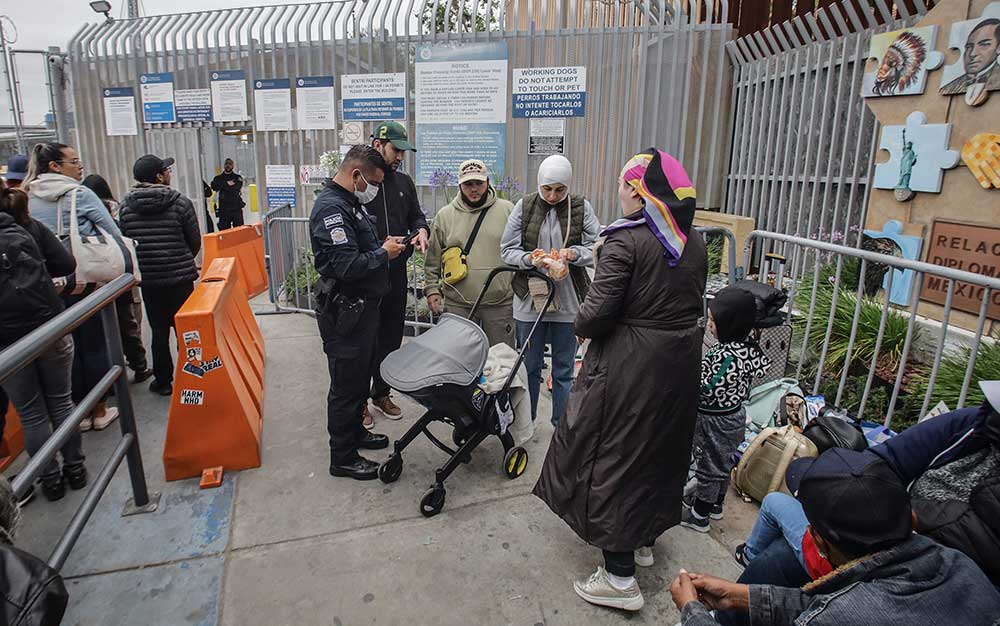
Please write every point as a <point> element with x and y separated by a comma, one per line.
<point>903,57</point>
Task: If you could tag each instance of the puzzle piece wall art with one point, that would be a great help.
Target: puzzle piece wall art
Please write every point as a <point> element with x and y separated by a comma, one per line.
<point>981,155</point>
<point>977,71</point>
<point>918,152</point>
<point>908,248</point>
<point>904,57</point>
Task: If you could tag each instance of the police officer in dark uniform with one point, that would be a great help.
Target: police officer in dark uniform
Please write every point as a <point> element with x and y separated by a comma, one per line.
<point>354,268</point>
<point>397,210</point>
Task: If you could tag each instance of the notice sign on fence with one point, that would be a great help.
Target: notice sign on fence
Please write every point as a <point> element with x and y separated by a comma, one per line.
<point>374,97</point>
<point>546,136</point>
<point>550,92</point>
<point>193,105</point>
<point>316,102</point>
<point>967,247</point>
<point>157,92</point>
<point>272,104</point>
<point>229,96</point>
<point>119,111</point>
<point>280,182</point>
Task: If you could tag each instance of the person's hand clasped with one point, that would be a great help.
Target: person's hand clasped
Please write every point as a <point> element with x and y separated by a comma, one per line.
<point>683,590</point>
<point>538,258</point>
<point>435,303</point>
<point>393,246</point>
<point>719,594</point>
<point>568,254</point>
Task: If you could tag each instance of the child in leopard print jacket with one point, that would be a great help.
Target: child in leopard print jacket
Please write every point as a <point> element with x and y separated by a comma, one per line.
<point>727,374</point>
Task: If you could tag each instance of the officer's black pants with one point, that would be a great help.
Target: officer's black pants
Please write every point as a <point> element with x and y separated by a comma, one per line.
<point>392,313</point>
<point>230,218</point>
<point>349,359</point>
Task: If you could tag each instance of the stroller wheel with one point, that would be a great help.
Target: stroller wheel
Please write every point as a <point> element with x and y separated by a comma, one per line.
<point>389,471</point>
<point>515,461</point>
<point>457,438</point>
<point>433,501</point>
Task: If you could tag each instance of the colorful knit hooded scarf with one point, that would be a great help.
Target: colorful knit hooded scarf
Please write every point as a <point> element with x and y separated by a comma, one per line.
<point>670,200</point>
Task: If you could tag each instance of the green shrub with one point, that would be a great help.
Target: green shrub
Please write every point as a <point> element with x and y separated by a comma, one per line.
<point>951,374</point>
<point>715,245</point>
<point>302,279</point>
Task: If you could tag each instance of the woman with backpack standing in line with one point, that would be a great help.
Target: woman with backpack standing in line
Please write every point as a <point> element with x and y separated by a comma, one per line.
<point>128,305</point>
<point>54,179</point>
<point>41,392</point>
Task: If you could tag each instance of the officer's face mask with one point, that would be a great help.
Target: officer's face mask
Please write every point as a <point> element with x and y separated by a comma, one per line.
<point>366,196</point>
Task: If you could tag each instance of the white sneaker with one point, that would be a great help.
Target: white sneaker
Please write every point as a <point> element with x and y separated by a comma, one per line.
<point>110,415</point>
<point>86,424</point>
<point>598,590</point>
<point>644,557</point>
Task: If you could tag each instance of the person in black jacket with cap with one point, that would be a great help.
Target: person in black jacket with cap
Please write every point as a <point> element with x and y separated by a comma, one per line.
<point>397,212</point>
<point>354,270</point>
<point>164,224</point>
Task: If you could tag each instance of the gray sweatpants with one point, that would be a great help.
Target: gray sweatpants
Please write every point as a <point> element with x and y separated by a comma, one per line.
<point>716,438</point>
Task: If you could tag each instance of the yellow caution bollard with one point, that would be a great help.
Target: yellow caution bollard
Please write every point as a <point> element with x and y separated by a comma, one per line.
<point>253,198</point>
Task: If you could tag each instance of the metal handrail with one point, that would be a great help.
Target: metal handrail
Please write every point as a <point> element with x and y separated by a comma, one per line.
<point>26,350</point>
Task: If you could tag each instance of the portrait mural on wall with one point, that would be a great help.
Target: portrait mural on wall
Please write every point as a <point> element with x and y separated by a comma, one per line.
<point>977,72</point>
<point>904,57</point>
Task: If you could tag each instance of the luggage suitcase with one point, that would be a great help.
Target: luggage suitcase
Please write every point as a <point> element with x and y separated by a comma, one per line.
<point>761,470</point>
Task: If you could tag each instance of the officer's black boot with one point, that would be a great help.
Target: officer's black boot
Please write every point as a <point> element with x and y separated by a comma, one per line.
<point>358,468</point>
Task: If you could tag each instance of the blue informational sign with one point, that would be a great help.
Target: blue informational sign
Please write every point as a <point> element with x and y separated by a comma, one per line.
<point>314,81</point>
<point>193,105</point>
<point>549,104</point>
<point>280,196</point>
<point>157,92</point>
<point>461,107</point>
<point>374,97</point>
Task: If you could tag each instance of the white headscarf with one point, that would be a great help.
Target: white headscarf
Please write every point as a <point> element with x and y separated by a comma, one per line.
<point>555,170</point>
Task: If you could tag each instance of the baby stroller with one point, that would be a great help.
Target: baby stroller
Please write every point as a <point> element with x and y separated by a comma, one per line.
<point>441,369</point>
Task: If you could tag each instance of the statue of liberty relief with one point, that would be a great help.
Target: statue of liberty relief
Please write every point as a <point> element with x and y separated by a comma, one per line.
<point>906,163</point>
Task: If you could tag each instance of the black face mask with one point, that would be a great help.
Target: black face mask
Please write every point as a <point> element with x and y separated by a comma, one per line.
<point>734,312</point>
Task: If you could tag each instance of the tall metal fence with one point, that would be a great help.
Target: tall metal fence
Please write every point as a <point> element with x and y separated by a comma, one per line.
<point>803,140</point>
<point>656,75</point>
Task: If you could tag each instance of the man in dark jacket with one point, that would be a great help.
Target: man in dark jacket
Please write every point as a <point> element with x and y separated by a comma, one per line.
<point>860,519</point>
<point>164,224</point>
<point>229,186</point>
<point>354,267</point>
<point>397,210</point>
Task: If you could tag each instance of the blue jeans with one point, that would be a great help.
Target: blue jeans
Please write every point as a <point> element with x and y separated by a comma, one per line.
<point>561,337</point>
<point>781,517</point>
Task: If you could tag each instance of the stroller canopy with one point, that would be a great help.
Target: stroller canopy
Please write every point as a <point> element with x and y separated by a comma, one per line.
<point>452,352</point>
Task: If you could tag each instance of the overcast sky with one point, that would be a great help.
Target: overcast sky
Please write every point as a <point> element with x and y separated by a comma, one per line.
<point>44,23</point>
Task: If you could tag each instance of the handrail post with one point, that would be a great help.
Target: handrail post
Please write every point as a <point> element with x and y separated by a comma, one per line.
<point>142,501</point>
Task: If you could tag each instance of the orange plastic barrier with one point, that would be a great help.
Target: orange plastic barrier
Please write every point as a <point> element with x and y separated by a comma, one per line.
<point>215,411</point>
<point>246,245</point>
<point>12,443</point>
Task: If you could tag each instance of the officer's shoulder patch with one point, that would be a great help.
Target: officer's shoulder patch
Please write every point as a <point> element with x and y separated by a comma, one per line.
<point>338,236</point>
<point>333,220</point>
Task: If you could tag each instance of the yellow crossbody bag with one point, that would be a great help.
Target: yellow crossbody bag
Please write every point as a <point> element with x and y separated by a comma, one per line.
<point>455,260</point>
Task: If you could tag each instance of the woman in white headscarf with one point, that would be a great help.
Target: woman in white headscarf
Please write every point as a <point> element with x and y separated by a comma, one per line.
<point>551,220</point>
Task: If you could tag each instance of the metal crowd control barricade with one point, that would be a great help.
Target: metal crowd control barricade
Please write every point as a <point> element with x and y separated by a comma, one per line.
<point>29,348</point>
<point>805,264</point>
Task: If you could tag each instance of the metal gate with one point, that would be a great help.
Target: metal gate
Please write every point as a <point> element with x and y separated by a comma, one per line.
<point>804,142</point>
<point>656,76</point>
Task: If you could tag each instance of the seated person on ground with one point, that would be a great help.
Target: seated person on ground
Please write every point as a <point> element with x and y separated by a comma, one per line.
<point>860,519</point>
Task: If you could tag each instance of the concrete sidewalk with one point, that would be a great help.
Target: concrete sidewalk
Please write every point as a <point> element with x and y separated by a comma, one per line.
<point>288,544</point>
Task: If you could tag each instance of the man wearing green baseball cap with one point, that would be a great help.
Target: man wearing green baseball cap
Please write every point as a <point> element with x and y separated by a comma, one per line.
<point>398,213</point>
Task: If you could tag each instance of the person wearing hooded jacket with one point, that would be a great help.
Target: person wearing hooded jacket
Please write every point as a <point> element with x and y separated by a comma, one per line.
<point>165,226</point>
<point>53,181</point>
<point>452,227</point>
<point>552,219</point>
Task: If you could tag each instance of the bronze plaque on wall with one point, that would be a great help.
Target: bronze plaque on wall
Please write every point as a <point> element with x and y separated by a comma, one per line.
<point>967,247</point>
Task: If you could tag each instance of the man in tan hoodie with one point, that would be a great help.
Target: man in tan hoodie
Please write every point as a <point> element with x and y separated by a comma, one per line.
<point>452,228</point>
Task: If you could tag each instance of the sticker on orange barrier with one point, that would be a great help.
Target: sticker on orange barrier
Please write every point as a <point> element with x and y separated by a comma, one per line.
<point>215,411</point>
<point>211,478</point>
<point>246,245</point>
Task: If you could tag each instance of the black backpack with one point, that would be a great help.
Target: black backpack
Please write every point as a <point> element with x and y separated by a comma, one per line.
<point>26,290</point>
<point>31,592</point>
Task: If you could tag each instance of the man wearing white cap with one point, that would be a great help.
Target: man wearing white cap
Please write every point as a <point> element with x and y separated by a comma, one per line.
<point>551,219</point>
<point>464,248</point>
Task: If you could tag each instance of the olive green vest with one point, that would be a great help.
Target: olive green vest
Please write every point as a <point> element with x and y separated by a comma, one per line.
<point>533,212</point>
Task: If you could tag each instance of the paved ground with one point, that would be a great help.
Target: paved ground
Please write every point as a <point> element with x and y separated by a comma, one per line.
<point>288,544</point>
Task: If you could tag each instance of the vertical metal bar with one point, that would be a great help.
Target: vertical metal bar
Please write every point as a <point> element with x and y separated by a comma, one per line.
<point>859,296</point>
<point>940,347</point>
<point>905,355</point>
<point>126,415</point>
<point>974,351</point>
<point>878,344</point>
